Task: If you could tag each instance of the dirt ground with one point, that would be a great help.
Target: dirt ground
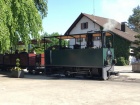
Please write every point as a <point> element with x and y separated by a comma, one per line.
<point>42,90</point>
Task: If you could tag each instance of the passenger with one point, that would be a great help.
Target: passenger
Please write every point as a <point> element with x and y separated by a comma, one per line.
<point>24,51</point>
<point>16,52</point>
<point>109,44</point>
<point>33,51</point>
<point>5,53</point>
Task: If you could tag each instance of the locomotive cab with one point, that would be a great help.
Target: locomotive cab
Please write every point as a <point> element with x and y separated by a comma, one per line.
<point>88,61</point>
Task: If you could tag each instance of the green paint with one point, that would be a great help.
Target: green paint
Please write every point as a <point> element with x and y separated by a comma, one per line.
<point>77,57</point>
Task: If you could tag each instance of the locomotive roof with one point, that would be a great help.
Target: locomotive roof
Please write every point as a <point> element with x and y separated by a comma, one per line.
<point>79,35</point>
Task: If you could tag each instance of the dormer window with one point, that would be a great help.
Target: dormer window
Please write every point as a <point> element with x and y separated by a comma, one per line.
<point>84,25</point>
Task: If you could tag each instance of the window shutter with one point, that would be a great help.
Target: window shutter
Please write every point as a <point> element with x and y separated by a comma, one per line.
<point>81,25</point>
<point>86,24</point>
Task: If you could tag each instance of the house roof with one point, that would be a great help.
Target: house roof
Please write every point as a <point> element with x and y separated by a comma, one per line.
<point>101,21</point>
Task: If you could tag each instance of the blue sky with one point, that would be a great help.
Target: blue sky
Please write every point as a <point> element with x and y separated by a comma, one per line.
<point>62,13</point>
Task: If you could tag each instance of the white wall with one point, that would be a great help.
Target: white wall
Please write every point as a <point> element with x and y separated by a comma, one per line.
<point>97,44</point>
<point>91,26</point>
<point>77,30</point>
<point>72,42</point>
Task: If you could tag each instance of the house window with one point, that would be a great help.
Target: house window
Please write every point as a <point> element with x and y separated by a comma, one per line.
<point>79,40</point>
<point>84,25</point>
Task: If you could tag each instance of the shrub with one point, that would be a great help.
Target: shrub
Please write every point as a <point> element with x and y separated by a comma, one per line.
<point>121,61</point>
<point>127,62</point>
<point>17,68</point>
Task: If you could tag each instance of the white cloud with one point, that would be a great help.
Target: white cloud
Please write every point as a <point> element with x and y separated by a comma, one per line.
<point>119,10</point>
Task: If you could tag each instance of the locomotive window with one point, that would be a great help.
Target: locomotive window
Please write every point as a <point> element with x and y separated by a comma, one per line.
<point>79,40</point>
<point>84,25</point>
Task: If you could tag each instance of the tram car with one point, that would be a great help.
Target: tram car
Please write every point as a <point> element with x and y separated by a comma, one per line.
<point>34,63</point>
<point>88,61</point>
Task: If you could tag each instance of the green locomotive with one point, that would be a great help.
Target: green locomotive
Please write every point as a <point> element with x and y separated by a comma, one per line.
<point>88,61</point>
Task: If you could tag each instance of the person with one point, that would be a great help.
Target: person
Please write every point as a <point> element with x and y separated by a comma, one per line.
<point>34,52</point>
<point>16,52</point>
<point>24,51</point>
<point>132,60</point>
<point>5,53</point>
<point>109,44</point>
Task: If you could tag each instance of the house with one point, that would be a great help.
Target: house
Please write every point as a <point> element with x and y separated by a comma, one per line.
<point>86,23</point>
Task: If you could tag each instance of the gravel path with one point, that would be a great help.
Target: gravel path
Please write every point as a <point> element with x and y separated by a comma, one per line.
<point>126,74</point>
<point>42,90</point>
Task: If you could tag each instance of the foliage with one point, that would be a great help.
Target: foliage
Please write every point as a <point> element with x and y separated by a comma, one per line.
<point>17,68</point>
<point>121,61</point>
<point>121,47</point>
<point>41,6</point>
<point>134,19</point>
<point>127,62</point>
<point>55,41</point>
<point>39,50</point>
<point>20,20</point>
<point>137,47</point>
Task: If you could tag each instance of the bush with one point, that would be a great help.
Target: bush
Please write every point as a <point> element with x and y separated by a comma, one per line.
<point>121,61</point>
<point>38,50</point>
<point>127,62</point>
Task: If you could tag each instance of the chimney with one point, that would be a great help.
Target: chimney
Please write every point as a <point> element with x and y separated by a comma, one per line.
<point>123,26</point>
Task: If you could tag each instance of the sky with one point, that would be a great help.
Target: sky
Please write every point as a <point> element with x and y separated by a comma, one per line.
<point>62,13</point>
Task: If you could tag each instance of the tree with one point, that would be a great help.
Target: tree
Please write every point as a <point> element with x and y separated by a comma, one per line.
<point>41,6</point>
<point>5,18</point>
<point>39,48</point>
<point>134,19</point>
<point>55,41</point>
<point>137,47</point>
<point>20,20</point>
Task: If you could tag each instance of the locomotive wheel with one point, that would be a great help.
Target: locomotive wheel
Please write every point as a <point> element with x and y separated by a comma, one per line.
<point>85,75</point>
<point>36,72</point>
<point>67,74</point>
<point>30,71</point>
<point>72,75</point>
